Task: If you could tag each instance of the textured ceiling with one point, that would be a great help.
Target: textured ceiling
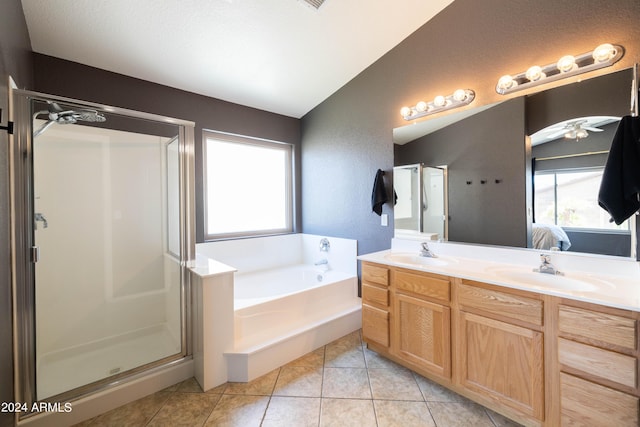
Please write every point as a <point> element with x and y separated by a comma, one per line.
<point>282,56</point>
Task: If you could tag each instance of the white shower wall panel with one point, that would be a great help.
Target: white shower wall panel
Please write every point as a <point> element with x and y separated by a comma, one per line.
<point>108,274</point>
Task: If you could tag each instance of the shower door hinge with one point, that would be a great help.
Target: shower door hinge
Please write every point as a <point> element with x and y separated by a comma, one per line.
<point>35,254</point>
<point>8,127</point>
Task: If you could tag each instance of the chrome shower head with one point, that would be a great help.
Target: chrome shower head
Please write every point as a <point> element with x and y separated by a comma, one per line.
<point>65,117</point>
<point>74,116</point>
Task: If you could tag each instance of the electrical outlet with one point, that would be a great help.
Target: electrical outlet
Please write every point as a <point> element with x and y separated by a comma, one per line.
<point>384,220</point>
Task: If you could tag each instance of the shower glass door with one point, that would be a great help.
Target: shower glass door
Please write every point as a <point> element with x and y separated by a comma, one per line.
<point>107,247</point>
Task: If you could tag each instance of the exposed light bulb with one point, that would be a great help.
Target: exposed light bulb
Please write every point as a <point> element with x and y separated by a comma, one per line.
<point>439,101</point>
<point>604,52</point>
<point>535,73</point>
<point>460,95</point>
<point>567,63</point>
<point>421,106</point>
<point>506,82</point>
<point>581,134</point>
<point>405,111</point>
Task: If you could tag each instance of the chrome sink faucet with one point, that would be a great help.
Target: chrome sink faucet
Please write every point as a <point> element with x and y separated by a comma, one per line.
<point>426,252</point>
<point>546,266</point>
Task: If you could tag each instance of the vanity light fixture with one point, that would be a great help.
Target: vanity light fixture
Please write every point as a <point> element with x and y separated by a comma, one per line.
<point>602,56</point>
<point>440,103</point>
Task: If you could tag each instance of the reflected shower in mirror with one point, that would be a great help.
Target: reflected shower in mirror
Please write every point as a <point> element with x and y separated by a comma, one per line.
<point>421,201</point>
<point>494,152</point>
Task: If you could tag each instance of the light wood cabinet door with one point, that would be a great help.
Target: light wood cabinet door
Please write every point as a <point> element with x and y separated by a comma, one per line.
<point>422,334</point>
<point>503,362</point>
<point>588,404</point>
<point>375,325</point>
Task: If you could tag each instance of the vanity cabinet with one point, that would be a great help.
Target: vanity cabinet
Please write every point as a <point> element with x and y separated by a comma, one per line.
<point>598,365</point>
<point>375,304</point>
<point>500,346</point>
<point>541,360</point>
<point>421,323</point>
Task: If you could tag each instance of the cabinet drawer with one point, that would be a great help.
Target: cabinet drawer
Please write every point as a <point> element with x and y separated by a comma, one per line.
<point>587,404</point>
<point>375,295</point>
<point>375,274</point>
<point>592,325</point>
<point>603,363</point>
<point>437,287</point>
<point>375,325</point>
<point>503,304</point>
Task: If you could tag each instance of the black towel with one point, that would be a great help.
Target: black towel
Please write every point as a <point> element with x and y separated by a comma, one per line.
<point>379,193</point>
<point>621,178</point>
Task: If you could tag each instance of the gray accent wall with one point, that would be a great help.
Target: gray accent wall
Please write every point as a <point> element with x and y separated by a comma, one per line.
<point>485,157</point>
<point>469,44</point>
<point>15,61</point>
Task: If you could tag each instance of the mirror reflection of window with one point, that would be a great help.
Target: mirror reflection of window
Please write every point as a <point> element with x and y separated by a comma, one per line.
<point>568,199</point>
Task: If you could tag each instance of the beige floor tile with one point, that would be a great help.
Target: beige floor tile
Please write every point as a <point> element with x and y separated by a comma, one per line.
<point>349,383</point>
<point>314,359</point>
<point>394,384</point>
<point>238,411</point>
<point>459,414</point>
<point>185,409</point>
<point>137,413</point>
<point>434,392</point>
<point>262,386</point>
<point>345,352</point>
<point>391,413</point>
<point>302,381</point>
<point>375,361</point>
<point>292,411</point>
<point>500,420</point>
<point>189,386</point>
<point>347,413</point>
<point>341,357</point>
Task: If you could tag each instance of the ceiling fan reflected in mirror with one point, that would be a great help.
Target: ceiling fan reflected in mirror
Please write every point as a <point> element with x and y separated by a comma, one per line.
<point>576,129</point>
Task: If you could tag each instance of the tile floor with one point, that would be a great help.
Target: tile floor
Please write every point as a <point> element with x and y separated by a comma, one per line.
<point>341,384</point>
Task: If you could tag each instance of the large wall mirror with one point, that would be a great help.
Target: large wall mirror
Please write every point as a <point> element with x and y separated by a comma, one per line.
<point>525,172</point>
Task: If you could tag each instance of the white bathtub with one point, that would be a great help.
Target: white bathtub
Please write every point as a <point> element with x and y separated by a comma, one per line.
<point>255,288</point>
<point>284,306</point>
<point>280,302</point>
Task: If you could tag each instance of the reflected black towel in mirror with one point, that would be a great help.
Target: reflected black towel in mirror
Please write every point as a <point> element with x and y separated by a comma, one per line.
<point>621,178</point>
<point>379,193</point>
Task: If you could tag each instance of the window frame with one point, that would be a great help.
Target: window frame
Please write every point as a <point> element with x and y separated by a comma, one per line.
<point>287,148</point>
<point>555,173</point>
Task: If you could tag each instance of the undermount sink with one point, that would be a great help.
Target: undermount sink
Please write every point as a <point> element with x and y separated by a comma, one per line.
<point>412,259</point>
<point>569,282</point>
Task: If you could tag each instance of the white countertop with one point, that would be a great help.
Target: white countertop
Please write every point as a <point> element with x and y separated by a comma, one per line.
<point>607,281</point>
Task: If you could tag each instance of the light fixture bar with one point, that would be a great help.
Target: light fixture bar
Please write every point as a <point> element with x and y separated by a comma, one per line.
<point>440,103</point>
<point>602,56</point>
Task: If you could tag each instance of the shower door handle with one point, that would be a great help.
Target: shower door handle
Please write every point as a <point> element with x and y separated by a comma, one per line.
<point>35,254</point>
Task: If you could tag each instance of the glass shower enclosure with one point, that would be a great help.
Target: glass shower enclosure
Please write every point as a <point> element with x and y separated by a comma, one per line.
<point>102,237</point>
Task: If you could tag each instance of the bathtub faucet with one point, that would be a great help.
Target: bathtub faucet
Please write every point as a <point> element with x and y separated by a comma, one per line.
<point>323,262</point>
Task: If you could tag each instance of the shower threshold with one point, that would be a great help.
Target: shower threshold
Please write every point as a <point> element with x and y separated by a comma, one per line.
<point>66,369</point>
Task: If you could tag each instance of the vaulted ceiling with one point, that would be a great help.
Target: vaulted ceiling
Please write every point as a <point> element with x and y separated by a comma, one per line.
<point>283,56</point>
